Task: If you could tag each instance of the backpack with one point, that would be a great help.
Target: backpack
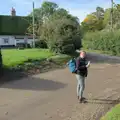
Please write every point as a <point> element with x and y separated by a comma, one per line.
<point>72,65</point>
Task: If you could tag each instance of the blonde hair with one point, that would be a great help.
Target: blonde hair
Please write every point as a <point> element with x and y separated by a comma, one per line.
<point>82,51</point>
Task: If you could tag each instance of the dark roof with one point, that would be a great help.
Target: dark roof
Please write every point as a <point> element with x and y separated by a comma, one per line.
<point>14,25</point>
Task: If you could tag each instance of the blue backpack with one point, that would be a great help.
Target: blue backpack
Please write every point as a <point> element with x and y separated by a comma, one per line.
<point>72,65</point>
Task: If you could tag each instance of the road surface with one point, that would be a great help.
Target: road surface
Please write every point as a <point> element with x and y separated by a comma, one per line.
<point>52,95</point>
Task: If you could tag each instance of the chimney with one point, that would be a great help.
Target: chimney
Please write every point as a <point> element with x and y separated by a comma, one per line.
<point>13,12</point>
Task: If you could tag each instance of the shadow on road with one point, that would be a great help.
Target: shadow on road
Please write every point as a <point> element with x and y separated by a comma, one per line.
<point>16,73</point>
<point>10,75</point>
<point>103,101</point>
<point>32,83</point>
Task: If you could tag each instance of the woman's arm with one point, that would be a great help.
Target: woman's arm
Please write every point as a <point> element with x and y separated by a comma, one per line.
<point>88,64</point>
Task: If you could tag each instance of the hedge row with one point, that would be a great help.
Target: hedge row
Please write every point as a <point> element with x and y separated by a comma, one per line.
<point>14,25</point>
<point>104,41</point>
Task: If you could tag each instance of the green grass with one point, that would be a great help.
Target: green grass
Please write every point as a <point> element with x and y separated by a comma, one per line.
<point>61,59</point>
<point>15,57</point>
<point>114,114</point>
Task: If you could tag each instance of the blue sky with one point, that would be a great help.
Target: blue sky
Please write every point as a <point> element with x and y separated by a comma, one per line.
<point>79,8</point>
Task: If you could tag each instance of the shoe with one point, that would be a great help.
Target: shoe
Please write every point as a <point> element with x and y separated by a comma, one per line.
<point>82,100</point>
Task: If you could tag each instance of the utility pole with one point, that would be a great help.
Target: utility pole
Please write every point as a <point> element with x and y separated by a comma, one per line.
<point>111,14</point>
<point>33,28</point>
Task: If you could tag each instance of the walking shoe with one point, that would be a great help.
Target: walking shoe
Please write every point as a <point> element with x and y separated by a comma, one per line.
<point>82,100</point>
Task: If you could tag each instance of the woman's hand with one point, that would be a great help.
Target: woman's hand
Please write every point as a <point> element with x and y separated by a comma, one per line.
<point>88,65</point>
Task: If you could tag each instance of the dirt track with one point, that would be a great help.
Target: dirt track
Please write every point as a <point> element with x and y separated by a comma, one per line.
<point>52,95</point>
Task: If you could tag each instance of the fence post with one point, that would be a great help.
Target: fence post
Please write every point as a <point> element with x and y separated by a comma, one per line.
<point>1,64</point>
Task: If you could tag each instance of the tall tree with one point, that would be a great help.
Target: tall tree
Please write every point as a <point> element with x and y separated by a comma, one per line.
<point>92,23</point>
<point>106,20</point>
<point>41,15</point>
<point>99,13</point>
<point>115,18</point>
<point>48,8</point>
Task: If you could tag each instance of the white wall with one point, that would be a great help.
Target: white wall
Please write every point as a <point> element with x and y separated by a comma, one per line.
<point>11,40</point>
<point>7,40</point>
<point>29,41</point>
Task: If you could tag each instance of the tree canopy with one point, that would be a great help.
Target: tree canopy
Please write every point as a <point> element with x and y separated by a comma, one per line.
<point>101,19</point>
<point>101,30</point>
<point>59,29</point>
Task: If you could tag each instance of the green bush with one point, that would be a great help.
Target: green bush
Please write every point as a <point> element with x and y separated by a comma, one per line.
<point>62,35</point>
<point>103,40</point>
<point>40,44</point>
<point>69,49</point>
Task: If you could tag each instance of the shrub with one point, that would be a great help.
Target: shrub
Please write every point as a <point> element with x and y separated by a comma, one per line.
<point>62,35</point>
<point>40,44</point>
<point>105,41</point>
<point>69,49</point>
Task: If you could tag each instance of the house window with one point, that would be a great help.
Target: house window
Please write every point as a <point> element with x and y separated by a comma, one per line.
<point>6,40</point>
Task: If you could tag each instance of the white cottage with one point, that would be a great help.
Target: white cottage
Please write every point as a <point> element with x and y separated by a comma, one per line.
<point>6,40</point>
<point>12,41</point>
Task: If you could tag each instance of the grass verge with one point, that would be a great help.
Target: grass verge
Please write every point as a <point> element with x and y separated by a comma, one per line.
<point>29,59</point>
<point>114,114</point>
<point>21,63</point>
<point>15,57</point>
<point>61,59</point>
